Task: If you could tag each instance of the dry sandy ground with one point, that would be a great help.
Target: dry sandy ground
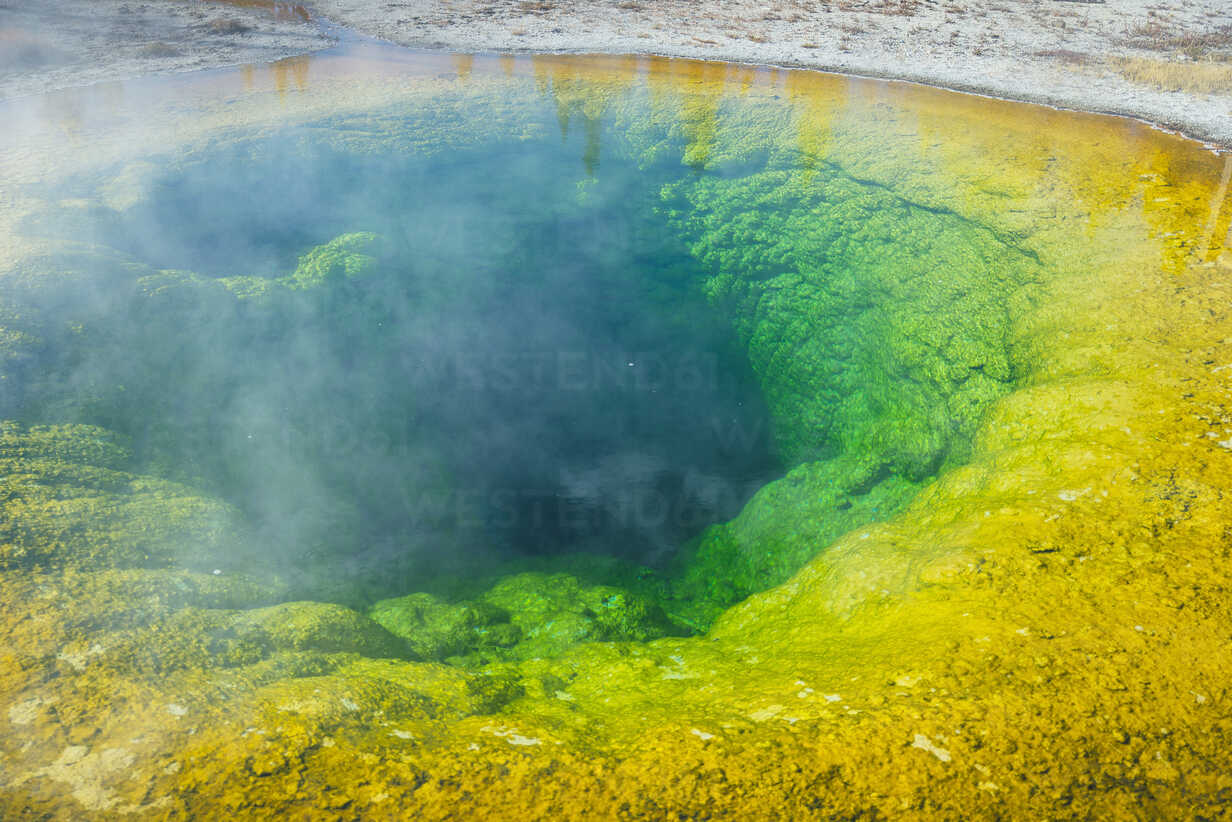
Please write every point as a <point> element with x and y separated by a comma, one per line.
<point>1072,54</point>
<point>52,44</point>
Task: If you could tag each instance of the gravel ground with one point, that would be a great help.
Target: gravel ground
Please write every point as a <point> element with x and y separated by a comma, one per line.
<point>1069,54</point>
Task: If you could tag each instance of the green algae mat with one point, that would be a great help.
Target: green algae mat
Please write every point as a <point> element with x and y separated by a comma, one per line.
<point>397,436</point>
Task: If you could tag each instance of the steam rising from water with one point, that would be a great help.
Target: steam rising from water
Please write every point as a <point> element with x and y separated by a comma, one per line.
<point>385,359</point>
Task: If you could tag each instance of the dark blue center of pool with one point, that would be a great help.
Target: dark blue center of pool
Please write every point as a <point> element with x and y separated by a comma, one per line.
<point>511,357</point>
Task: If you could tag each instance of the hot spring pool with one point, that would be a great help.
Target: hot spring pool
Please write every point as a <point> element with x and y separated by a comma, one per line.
<point>391,434</point>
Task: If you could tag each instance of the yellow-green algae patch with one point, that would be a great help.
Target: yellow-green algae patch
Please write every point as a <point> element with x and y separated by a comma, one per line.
<point>1041,632</point>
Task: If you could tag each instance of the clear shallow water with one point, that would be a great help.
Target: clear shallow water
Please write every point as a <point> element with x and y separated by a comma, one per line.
<point>421,346</point>
<point>252,339</point>
<point>519,344</point>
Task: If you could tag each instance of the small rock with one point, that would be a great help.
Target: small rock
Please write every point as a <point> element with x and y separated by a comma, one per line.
<point>923,743</point>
